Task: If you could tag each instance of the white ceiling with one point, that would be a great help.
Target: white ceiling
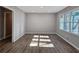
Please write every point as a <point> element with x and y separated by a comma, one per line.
<point>41,9</point>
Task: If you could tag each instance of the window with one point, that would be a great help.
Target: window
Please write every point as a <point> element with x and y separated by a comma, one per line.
<point>67,22</point>
<point>61,22</point>
<point>70,22</point>
<point>75,22</point>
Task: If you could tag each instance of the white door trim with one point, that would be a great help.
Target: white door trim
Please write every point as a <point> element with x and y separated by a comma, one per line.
<point>4,25</point>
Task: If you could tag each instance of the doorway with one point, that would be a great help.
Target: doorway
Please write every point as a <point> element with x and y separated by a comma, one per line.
<point>5,24</point>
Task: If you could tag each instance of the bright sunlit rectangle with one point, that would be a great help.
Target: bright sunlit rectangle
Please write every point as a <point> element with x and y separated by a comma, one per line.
<point>45,40</point>
<point>33,44</point>
<point>44,36</point>
<point>36,36</point>
<point>46,45</point>
<point>34,39</point>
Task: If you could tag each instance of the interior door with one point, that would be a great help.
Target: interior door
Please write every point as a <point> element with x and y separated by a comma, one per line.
<point>8,24</point>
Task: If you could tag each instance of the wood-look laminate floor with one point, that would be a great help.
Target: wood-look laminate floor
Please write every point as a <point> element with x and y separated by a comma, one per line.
<point>37,44</point>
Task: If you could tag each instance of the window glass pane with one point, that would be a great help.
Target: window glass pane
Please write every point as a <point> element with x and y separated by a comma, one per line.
<point>61,18</point>
<point>62,25</point>
<point>75,16</point>
<point>75,22</point>
<point>67,27</point>
<point>61,22</point>
<point>75,28</point>
<point>67,17</point>
<point>67,22</point>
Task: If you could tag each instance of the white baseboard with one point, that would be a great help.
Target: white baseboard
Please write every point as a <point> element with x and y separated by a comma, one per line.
<point>68,42</point>
<point>2,38</point>
<point>38,33</point>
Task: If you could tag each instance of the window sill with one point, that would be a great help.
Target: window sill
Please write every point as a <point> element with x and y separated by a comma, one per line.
<point>70,33</point>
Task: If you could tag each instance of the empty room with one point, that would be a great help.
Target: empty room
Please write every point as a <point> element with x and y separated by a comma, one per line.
<point>39,29</point>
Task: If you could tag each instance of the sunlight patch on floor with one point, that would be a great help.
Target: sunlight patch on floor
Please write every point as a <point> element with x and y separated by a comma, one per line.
<point>34,44</point>
<point>41,41</point>
<point>46,45</point>
<point>45,40</point>
<point>36,36</point>
<point>44,36</point>
<point>35,40</point>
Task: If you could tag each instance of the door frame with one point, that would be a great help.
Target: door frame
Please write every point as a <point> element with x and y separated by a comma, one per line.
<point>12,40</point>
<point>4,25</point>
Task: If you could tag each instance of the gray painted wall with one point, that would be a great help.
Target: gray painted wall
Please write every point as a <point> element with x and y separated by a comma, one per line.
<point>71,38</point>
<point>42,23</point>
